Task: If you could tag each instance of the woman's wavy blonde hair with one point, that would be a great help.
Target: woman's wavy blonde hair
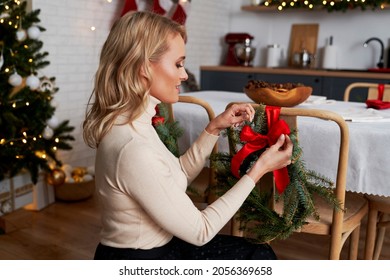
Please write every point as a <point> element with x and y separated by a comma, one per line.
<point>135,39</point>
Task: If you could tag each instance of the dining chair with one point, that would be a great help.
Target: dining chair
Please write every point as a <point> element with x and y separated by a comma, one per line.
<point>199,188</point>
<point>334,223</point>
<point>372,90</point>
<point>379,206</point>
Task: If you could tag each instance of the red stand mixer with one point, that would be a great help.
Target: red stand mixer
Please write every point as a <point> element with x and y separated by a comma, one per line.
<point>234,39</point>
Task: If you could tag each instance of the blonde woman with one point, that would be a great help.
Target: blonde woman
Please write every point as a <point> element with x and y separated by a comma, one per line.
<point>145,211</point>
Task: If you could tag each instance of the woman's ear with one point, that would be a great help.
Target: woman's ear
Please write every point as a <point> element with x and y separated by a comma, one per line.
<point>145,68</point>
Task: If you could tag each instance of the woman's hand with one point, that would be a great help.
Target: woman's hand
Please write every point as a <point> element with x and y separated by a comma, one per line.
<point>275,157</point>
<point>234,116</point>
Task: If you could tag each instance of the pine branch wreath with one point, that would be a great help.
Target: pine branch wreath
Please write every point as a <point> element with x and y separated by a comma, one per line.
<point>256,217</point>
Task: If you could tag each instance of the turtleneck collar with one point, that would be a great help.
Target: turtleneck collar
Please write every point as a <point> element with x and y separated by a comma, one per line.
<point>150,111</point>
<point>146,116</point>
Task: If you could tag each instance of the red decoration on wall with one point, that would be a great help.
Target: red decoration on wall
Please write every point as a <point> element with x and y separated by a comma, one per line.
<point>157,8</point>
<point>130,5</point>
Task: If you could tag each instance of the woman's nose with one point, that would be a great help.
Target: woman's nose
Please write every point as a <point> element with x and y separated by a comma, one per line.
<point>184,75</point>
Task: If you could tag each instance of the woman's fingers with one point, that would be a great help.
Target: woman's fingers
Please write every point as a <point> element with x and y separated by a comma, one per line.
<point>240,113</point>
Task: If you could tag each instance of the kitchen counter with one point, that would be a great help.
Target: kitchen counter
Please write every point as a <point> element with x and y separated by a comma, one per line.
<point>351,73</point>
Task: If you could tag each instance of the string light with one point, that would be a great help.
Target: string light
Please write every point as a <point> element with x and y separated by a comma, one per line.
<point>329,5</point>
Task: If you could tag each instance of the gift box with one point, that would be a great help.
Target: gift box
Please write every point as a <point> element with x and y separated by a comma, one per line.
<point>15,193</point>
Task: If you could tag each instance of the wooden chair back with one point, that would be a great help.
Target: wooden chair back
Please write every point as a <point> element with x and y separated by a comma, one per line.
<point>339,225</point>
<point>372,89</point>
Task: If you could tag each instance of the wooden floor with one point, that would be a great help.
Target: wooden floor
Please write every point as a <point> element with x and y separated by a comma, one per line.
<point>70,231</point>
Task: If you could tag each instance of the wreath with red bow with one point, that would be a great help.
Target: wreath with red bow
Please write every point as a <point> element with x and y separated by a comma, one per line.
<point>295,184</point>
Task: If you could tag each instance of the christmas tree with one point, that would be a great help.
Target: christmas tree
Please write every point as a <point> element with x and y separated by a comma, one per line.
<point>30,134</point>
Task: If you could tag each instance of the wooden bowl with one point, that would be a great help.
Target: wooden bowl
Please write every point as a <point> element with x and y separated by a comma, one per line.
<point>74,191</point>
<point>286,98</point>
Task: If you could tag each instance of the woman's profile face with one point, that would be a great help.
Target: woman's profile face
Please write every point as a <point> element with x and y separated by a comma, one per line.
<point>169,72</point>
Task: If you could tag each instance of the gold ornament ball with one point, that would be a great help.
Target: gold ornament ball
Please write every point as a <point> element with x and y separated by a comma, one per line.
<point>56,177</point>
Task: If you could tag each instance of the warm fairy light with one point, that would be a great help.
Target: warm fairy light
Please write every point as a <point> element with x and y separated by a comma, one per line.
<point>109,1</point>
<point>25,134</point>
<point>332,3</point>
<point>311,6</point>
<point>57,140</point>
<point>93,28</point>
<point>266,4</point>
<point>11,143</point>
<point>2,141</point>
<point>292,4</point>
<point>6,70</point>
<point>40,154</point>
<point>25,46</point>
<point>14,105</point>
<point>306,2</point>
<point>284,4</point>
<point>30,60</point>
<point>280,8</point>
<point>24,141</point>
<point>35,138</point>
<point>54,148</point>
<point>27,103</point>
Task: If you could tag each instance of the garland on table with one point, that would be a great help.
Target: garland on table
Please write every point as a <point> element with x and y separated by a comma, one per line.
<point>255,216</point>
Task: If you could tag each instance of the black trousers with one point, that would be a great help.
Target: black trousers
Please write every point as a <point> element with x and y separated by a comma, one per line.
<point>221,247</point>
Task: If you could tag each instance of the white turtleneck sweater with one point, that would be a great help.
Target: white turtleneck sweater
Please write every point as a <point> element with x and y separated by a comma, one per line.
<point>142,188</point>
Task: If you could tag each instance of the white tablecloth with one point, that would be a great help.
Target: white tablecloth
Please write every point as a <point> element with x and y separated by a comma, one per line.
<point>369,155</point>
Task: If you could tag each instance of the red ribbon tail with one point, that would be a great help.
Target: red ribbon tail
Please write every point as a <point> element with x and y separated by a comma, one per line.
<point>281,179</point>
<point>381,89</point>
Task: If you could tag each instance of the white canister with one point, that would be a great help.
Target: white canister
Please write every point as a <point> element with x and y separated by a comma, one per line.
<point>330,57</point>
<point>274,55</point>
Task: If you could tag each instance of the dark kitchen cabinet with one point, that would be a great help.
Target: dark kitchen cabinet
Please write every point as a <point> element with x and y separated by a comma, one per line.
<point>334,87</point>
<point>331,84</point>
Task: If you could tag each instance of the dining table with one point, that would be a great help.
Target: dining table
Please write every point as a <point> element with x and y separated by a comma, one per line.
<point>369,137</point>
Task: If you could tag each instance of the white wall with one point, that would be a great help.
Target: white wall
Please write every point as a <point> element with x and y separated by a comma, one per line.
<point>73,54</point>
<point>74,49</point>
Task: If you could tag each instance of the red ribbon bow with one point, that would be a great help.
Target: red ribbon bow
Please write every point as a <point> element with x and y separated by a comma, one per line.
<point>255,141</point>
<point>378,103</point>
